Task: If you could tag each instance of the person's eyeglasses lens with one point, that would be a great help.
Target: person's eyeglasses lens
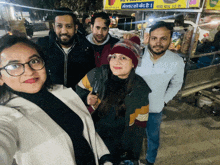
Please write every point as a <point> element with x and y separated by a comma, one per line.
<point>19,69</point>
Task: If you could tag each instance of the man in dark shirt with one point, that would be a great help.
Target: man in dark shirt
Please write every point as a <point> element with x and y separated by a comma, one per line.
<point>100,39</point>
<point>69,57</point>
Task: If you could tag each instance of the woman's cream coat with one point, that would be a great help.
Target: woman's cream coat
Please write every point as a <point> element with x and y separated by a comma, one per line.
<point>31,137</point>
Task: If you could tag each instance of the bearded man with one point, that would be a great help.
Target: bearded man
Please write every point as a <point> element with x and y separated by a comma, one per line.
<point>69,57</point>
<point>163,71</point>
<point>100,39</point>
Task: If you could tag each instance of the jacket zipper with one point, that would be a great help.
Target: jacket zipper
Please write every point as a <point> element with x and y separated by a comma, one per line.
<point>65,62</point>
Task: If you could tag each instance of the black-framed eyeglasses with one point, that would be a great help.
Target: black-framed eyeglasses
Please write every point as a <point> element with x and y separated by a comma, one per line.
<point>17,69</point>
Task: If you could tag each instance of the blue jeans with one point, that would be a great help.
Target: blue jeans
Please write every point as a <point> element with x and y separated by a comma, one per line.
<point>127,162</point>
<point>153,135</point>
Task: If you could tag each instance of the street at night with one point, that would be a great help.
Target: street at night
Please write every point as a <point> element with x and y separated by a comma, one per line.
<point>189,136</point>
<point>85,82</point>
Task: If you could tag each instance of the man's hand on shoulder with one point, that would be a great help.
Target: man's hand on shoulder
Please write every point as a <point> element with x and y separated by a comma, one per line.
<point>129,35</point>
<point>146,38</point>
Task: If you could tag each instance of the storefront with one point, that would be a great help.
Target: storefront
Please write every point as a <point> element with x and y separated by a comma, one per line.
<point>196,35</point>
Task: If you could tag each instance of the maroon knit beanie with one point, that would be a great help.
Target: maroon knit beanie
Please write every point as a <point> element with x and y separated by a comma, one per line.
<point>136,40</point>
<point>130,48</point>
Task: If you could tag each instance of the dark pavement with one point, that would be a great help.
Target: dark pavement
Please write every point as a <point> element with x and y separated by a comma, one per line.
<point>189,135</point>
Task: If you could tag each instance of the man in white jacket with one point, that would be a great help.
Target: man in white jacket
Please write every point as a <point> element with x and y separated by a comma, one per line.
<point>163,71</point>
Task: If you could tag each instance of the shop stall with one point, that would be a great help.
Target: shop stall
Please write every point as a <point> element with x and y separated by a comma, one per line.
<point>196,35</point>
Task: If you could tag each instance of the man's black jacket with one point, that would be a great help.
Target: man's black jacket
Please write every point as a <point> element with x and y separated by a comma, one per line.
<point>80,59</point>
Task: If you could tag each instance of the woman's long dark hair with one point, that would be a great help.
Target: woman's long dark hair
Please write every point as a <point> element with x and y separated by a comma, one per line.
<point>8,41</point>
<point>115,95</point>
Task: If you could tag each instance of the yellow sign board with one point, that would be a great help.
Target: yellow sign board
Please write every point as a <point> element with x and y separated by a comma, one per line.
<point>213,4</point>
<point>143,4</point>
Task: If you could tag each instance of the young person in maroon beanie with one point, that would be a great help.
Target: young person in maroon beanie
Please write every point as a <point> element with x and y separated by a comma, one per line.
<point>119,99</point>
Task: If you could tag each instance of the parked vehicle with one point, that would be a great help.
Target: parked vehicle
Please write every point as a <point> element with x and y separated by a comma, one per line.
<point>15,27</point>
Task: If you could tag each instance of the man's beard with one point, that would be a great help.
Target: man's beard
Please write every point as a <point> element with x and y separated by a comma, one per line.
<point>69,42</point>
<point>157,53</point>
<point>98,40</point>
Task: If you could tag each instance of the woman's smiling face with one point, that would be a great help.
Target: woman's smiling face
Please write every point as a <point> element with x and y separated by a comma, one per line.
<point>120,65</point>
<point>31,81</point>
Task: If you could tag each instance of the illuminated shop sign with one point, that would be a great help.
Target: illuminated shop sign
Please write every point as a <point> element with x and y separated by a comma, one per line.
<point>145,4</point>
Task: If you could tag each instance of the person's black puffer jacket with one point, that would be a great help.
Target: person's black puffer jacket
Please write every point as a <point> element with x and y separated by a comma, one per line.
<point>80,60</point>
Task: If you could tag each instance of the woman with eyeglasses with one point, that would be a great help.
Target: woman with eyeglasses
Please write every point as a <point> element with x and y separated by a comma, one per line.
<point>119,99</point>
<point>41,123</point>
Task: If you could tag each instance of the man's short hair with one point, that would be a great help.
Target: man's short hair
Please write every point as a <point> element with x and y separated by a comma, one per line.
<point>65,11</point>
<point>161,24</point>
<point>101,15</point>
